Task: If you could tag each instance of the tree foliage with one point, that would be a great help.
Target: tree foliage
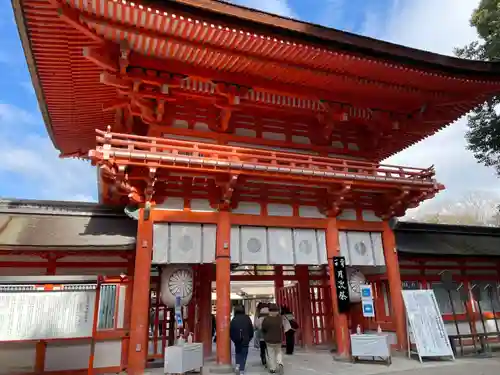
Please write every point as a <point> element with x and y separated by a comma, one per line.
<point>474,208</point>
<point>483,136</point>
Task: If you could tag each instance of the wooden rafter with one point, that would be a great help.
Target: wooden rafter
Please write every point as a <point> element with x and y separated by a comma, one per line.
<point>227,190</point>
<point>337,199</point>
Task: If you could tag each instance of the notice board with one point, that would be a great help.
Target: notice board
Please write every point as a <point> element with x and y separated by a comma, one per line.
<point>28,312</point>
<point>426,323</point>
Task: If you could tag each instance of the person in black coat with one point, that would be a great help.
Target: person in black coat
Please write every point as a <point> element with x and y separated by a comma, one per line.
<point>213,327</point>
<point>241,332</point>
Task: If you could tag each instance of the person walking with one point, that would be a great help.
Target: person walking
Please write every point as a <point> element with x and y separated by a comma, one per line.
<point>289,326</point>
<point>241,332</point>
<point>272,328</point>
<point>214,328</point>
<point>262,314</point>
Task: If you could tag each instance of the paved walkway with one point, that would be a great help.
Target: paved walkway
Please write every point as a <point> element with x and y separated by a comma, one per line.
<point>322,363</point>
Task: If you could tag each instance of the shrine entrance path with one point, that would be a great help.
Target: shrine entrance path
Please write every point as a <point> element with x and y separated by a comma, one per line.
<point>320,362</point>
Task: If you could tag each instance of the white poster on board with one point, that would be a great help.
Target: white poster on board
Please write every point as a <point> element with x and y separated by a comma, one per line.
<point>426,323</point>
<point>34,315</point>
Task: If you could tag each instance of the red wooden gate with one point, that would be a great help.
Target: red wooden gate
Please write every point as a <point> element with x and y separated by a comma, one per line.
<point>321,313</point>
<point>290,296</point>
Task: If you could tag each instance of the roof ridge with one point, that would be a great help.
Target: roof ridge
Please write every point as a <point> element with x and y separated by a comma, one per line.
<point>51,207</point>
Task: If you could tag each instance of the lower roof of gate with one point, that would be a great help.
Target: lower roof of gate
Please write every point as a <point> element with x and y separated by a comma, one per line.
<point>56,225</point>
<point>64,226</point>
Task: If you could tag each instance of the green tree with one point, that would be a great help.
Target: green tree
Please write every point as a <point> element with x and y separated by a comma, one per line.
<point>483,136</point>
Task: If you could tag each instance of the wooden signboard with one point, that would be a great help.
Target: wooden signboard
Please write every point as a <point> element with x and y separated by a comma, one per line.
<point>426,324</point>
<point>29,312</point>
<point>341,284</point>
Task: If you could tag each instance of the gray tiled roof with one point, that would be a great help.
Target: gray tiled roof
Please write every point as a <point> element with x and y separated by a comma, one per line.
<point>440,239</point>
<point>64,225</point>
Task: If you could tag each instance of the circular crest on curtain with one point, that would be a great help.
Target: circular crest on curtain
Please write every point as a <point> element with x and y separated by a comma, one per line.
<point>355,279</point>
<point>176,281</point>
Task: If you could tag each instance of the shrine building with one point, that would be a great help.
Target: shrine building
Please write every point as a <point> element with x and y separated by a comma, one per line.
<point>231,145</point>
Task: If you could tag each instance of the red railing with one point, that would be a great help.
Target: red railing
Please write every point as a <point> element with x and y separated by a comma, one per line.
<point>129,149</point>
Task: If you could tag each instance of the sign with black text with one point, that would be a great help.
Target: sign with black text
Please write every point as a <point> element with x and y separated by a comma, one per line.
<point>341,284</point>
<point>426,324</point>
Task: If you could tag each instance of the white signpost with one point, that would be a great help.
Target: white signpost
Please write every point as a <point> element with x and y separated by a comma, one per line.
<point>30,314</point>
<point>426,325</point>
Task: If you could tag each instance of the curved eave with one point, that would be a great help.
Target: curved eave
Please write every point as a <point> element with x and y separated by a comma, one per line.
<point>30,60</point>
<point>309,33</point>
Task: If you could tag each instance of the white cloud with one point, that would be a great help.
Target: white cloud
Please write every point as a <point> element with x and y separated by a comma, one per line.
<point>279,7</point>
<point>10,114</point>
<point>30,159</point>
<point>437,26</point>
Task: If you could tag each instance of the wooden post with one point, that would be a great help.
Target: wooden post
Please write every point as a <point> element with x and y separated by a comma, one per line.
<point>40,353</point>
<point>278,281</point>
<point>340,321</point>
<point>205,310</point>
<point>139,319</point>
<point>223,288</point>
<point>128,310</point>
<point>395,287</point>
<point>302,273</point>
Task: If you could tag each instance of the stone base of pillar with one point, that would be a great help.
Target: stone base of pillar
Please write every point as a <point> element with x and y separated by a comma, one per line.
<point>221,369</point>
<point>342,357</point>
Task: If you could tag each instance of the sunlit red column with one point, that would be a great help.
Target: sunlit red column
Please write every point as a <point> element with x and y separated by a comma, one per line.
<point>205,310</point>
<point>139,319</point>
<point>302,273</point>
<point>340,321</point>
<point>395,287</point>
<point>223,288</point>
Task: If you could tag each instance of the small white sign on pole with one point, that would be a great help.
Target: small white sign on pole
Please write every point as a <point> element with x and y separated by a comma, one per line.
<point>426,323</point>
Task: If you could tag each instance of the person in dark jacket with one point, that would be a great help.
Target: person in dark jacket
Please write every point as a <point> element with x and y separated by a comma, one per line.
<point>214,327</point>
<point>241,331</point>
<point>272,329</point>
<point>289,327</point>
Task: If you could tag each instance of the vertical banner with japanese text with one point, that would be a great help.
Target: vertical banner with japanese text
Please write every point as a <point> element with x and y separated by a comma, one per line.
<point>341,284</point>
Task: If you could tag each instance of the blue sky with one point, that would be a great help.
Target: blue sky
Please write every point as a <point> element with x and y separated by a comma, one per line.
<point>30,168</point>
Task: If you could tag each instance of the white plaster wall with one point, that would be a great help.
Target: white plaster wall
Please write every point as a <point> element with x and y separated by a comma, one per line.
<point>347,214</point>
<point>247,208</point>
<point>276,209</point>
<point>17,358</point>
<point>70,355</point>
<point>173,204</point>
<point>91,271</point>
<point>310,212</point>
<point>201,205</point>
<point>21,271</point>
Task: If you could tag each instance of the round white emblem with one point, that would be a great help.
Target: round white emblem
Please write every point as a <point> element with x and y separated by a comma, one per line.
<point>254,245</point>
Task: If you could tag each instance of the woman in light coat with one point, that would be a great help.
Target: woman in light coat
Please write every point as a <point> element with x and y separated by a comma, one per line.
<point>259,337</point>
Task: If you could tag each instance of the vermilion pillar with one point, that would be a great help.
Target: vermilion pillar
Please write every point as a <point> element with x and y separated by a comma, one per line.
<point>223,288</point>
<point>395,287</point>
<point>302,273</point>
<point>278,280</point>
<point>205,309</point>
<point>340,321</point>
<point>139,319</point>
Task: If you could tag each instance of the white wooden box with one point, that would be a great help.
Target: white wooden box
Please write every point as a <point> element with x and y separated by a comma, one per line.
<point>183,358</point>
<point>370,345</point>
